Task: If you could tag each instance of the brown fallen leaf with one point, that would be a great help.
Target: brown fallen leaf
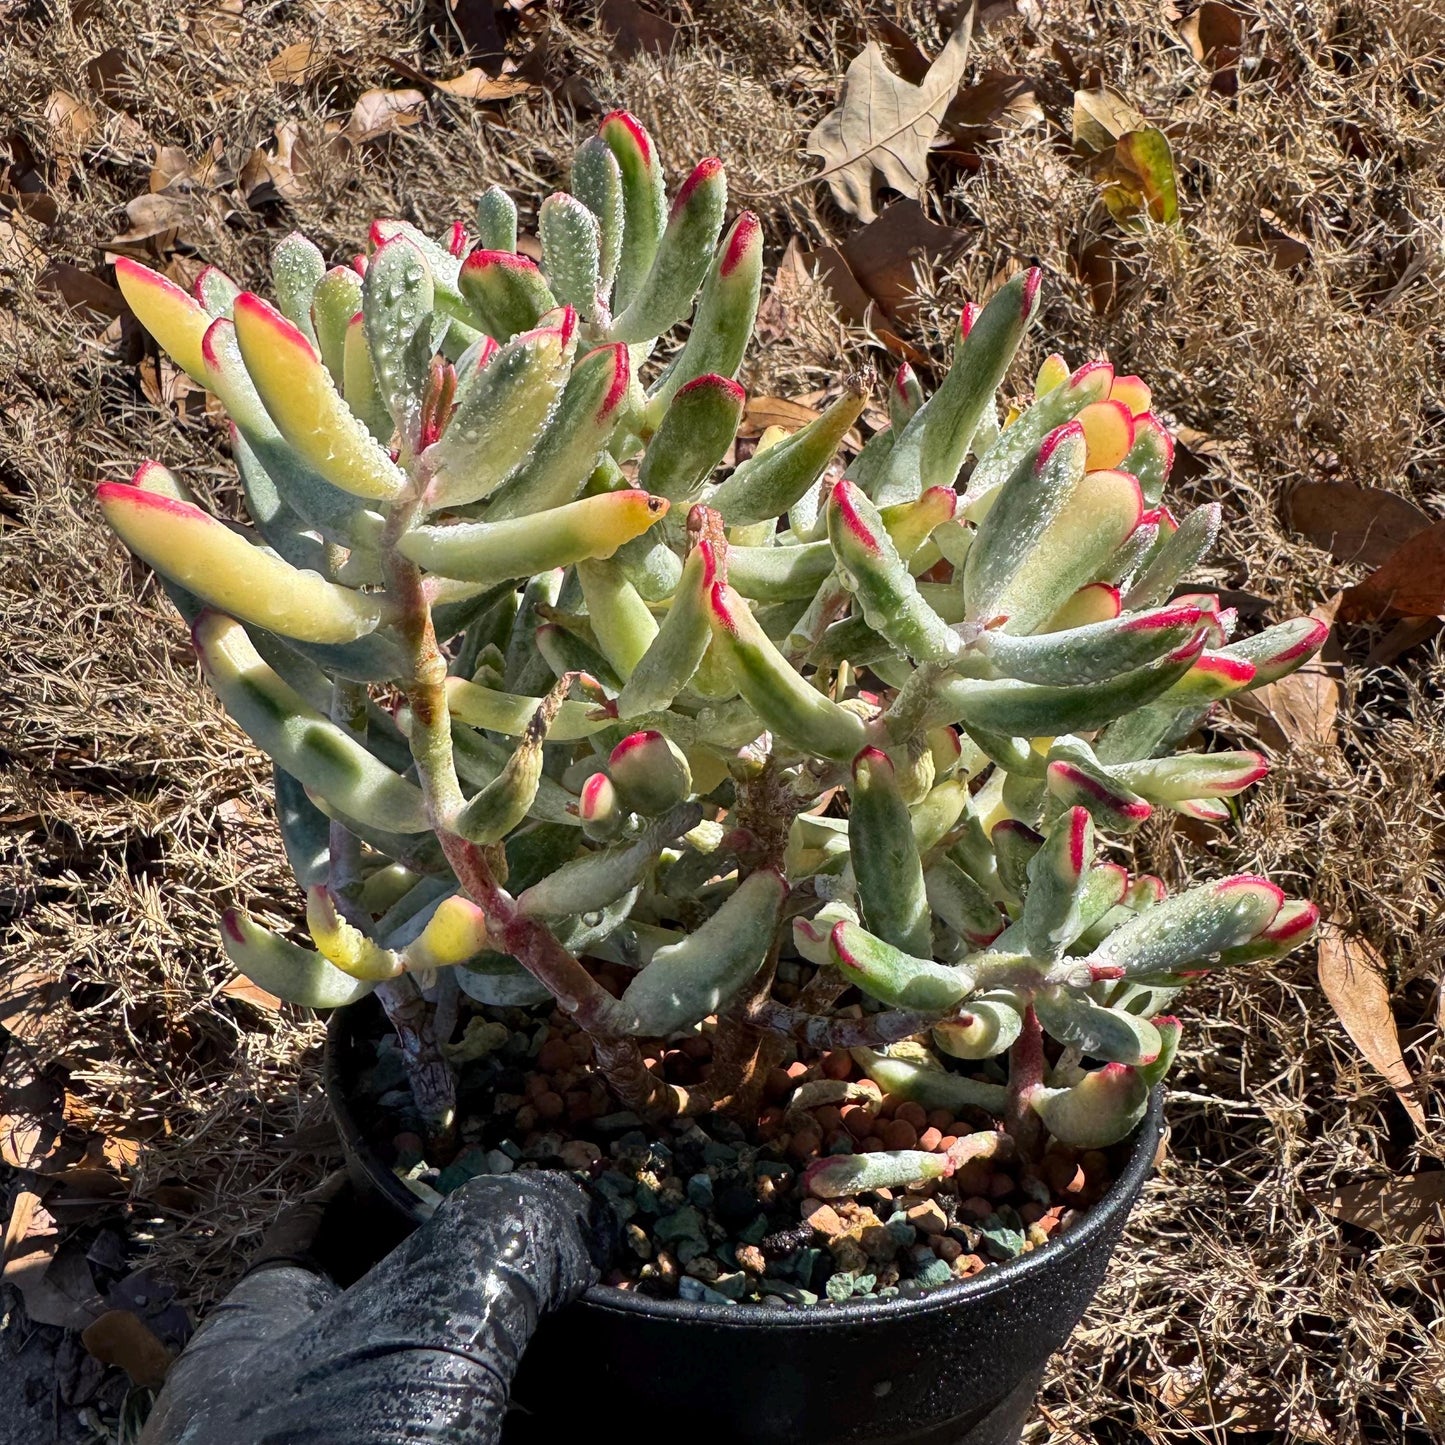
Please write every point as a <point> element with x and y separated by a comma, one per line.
<point>883,125</point>
<point>296,64</point>
<point>82,291</point>
<point>886,255</point>
<point>997,99</point>
<point>1211,29</point>
<point>151,215</point>
<point>70,118</point>
<point>32,1114</point>
<point>762,412</point>
<point>121,1338</point>
<point>1354,524</point>
<point>1408,1210</point>
<point>476,84</point>
<point>1101,116</point>
<point>380,112</point>
<point>475,22</point>
<point>1410,583</point>
<point>54,1281</point>
<point>242,988</point>
<point>636,31</point>
<point>1408,632</point>
<point>1302,707</point>
<point>1352,976</point>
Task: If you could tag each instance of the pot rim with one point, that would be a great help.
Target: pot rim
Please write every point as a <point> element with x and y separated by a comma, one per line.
<point>1117,1201</point>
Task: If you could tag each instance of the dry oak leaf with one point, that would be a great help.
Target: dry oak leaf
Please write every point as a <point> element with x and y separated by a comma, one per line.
<point>884,126</point>
<point>1352,976</point>
<point>1411,583</point>
<point>1101,116</point>
<point>476,84</point>
<point>122,1338</point>
<point>1408,1210</point>
<point>379,112</point>
<point>1354,524</point>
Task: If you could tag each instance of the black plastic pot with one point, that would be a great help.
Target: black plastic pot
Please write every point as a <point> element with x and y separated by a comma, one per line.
<point>960,1366</point>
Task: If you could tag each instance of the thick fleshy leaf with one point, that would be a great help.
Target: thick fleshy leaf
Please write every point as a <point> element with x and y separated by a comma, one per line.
<point>885,859</point>
<point>297,267</point>
<point>962,904</point>
<point>937,438</point>
<point>300,397</point>
<point>294,974</point>
<point>1091,652</point>
<point>502,805</point>
<point>1018,442</point>
<point>687,981</point>
<point>398,299</point>
<point>593,881</point>
<point>1102,1033</point>
<point>933,1088</point>
<point>479,761</point>
<point>1077,779</point>
<point>988,1027</point>
<point>313,749</point>
<point>872,570</point>
<point>505,712</point>
<point>1151,455</point>
<point>500,412</point>
<point>694,434</point>
<point>176,320</point>
<point>786,703</point>
<point>673,656</point>
<point>650,771</point>
<point>226,571</point>
<point>769,482</point>
<point>1109,433</point>
<point>216,291</point>
<point>893,976</point>
<point>644,205</point>
<point>496,220</point>
<point>344,944</point>
<point>1024,709</point>
<point>905,396</point>
<point>454,933</point>
<point>359,385</point>
<point>1057,872</point>
<point>1102,1108</point>
<point>507,292</point>
<point>1192,775</point>
<point>1015,845</point>
<point>1279,650</point>
<point>779,574</point>
<point>565,455</point>
<point>621,621</point>
<point>1087,526</point>
<point>597,183</point>
<point>571,251</point>
<point>1190,542</point>
<point>840,1176</point>
<point>336,300</point>
<point>494,551</point>
<point>1191,926</point>
<point>681,262</point>
<point>1098,602</point>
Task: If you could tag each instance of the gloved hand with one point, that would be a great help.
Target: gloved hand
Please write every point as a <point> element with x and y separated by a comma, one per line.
<point>423,1348</point>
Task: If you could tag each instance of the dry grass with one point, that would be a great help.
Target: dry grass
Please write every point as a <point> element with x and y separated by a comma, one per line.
<point>129,807</point>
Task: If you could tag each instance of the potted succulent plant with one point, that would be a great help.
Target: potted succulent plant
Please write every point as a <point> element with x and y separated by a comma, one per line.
<point>726,828</point>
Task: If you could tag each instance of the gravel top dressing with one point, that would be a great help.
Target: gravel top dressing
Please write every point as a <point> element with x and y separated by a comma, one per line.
<point>711,1210</point>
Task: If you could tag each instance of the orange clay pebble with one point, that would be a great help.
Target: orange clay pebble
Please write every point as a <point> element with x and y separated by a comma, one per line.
<point>797,1071</point>
<point>804,1145</point>
<point>930,1139</point>
<point>871,1144</point>
<point>947,1142</point>
<point>889,1105</point>
<point>942,1120</point>
<point>858,1119</point>
<point>550,1105</point>
<point>838,1065</point>
<point>913,1113</point>
<point>899,1134</point>
<point>1001,1186</point>
<point>555,1054</point>
<point>829,1118</point>
<point>777,1086</point>
<point>977,1206</point>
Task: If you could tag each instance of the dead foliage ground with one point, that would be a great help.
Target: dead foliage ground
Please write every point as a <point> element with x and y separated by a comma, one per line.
<point>1292,323</point>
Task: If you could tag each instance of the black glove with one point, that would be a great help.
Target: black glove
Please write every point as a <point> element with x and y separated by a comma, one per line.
<point>421,1349</point>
